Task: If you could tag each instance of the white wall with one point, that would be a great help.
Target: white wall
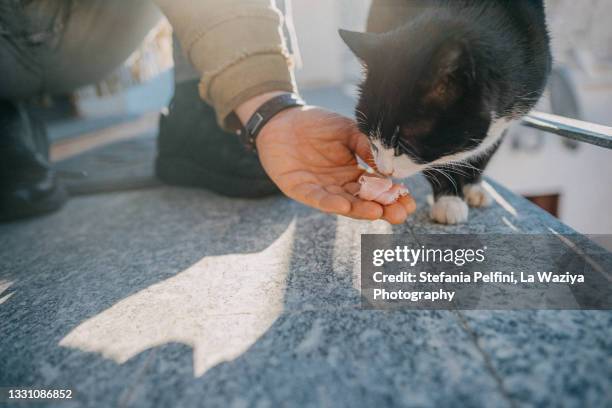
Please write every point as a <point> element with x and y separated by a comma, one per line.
<point>582,177</point>
<point>326,60</point>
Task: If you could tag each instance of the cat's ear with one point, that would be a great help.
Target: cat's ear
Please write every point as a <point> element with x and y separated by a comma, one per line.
<point>363,45</point>
<point>453,71</point>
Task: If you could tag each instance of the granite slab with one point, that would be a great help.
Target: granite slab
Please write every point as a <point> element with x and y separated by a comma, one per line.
<point>179,297</point>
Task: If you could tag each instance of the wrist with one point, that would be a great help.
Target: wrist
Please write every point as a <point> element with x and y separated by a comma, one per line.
<point>248,108</point>
<point>280,117</point>
<point>256,113</point>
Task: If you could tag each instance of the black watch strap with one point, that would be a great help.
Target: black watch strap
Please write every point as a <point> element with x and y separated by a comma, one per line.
<point>264,113</point>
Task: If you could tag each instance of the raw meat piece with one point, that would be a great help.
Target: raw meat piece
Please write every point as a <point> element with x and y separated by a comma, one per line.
<point>381,190</point>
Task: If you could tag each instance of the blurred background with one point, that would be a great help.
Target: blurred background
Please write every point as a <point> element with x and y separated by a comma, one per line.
<point>570,180</point>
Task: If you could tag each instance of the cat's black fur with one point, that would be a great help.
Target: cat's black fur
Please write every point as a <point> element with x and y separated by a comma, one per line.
<point>438,72</point>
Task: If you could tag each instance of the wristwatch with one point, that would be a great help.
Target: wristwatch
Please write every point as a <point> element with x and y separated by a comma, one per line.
<point>249,132</point>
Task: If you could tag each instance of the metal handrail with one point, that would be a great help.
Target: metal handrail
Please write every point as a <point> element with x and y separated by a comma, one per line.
<point>598,135</point>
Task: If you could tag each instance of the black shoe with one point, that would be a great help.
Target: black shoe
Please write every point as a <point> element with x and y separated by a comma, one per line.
<point>28,185</point>
<point>194,151</point>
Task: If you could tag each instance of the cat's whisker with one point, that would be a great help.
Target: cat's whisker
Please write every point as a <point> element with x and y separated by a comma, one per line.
<point>536,94</point>
<point>464,164</point>
<point>457,170</point>
<point>360,115</point>
<point>462,171</point>
<point>437,169</point>
<point>433,179</point>
<point>406,150</point>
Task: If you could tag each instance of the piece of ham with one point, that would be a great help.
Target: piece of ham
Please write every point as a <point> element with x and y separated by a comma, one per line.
<point>381,190</point>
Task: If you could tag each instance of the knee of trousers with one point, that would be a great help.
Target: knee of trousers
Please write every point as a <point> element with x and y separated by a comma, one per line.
<point>97,37</point>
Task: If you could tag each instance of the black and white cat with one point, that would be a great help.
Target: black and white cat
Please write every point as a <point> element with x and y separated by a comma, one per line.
<point>444,80</point>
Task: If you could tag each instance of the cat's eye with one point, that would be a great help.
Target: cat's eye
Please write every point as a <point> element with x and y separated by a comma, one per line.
<point>374,148</point>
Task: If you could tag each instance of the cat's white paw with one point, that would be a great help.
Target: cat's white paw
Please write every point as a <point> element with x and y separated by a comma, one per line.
<point>476,196</point>
<point>449,210</point>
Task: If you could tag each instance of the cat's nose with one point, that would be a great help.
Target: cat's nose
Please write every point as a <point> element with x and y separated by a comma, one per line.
<point>384,169</point>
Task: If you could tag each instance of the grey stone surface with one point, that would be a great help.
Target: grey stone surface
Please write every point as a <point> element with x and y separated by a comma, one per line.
<point>120,166</point>
<point>548,358</point>
<point>176,297</point>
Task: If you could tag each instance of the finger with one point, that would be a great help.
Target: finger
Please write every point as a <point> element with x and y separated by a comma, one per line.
<point>366,210</point>
<point>334,203</point>
<point>360,209</point>
<point>361,146</point>
<point>395,213</point>
<point>408,203</point>
<point>352,188</point>
<point>316,196</point>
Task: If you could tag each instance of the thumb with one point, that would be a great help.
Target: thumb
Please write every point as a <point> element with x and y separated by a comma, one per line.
<point>361,147</point>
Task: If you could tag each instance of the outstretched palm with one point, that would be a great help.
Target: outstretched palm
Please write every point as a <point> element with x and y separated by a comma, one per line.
<point>310,154</point>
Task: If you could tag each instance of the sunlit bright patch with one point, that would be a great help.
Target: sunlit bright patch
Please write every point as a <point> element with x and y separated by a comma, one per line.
<point>219,306</point>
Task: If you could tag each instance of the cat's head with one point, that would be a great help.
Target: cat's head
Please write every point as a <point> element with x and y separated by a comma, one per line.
<point>423,101</point>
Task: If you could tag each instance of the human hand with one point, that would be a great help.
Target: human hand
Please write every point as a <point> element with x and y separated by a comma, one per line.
<point>310,154</point>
